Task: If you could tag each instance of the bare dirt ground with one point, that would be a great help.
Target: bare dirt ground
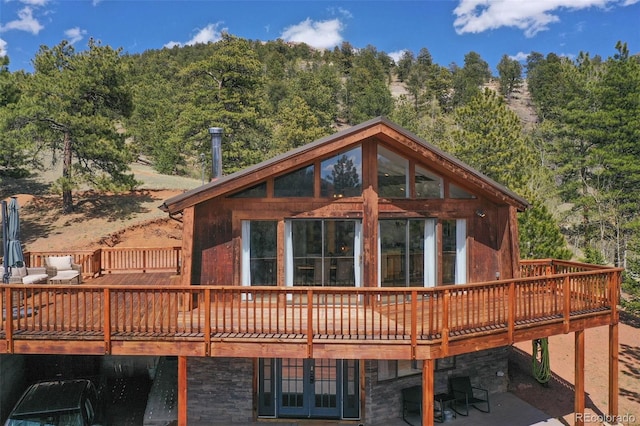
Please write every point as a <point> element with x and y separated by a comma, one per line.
<point>557,399</point>
<point>99,219</point>
<point>134,220</point>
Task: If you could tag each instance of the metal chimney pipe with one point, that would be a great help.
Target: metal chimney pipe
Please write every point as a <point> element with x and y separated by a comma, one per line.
<point>216,151</point>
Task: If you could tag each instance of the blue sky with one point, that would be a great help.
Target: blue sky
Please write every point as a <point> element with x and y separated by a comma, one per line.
<point>448,28</point>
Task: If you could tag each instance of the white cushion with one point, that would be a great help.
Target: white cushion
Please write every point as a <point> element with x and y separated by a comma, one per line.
<point>30,279</point>
<point>65,275</point>
<point>61,263</point>
<point>19,272</point>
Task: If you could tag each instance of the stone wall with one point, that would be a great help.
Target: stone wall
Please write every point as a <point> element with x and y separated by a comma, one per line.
<point>219,391</point>
<point>383,401</point>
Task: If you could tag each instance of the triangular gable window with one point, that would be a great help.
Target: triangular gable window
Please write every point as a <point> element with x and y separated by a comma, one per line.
<point>256,191</point>
<point>456,192</point>
<point>295,184</point>
<point>428,185</point>
<point>393,174</point>
<point>341,175</point>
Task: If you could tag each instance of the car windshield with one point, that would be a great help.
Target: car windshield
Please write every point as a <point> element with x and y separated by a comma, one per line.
<point>64,419</point>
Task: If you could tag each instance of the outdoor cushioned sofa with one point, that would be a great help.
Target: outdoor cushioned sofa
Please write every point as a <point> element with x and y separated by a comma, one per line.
<point>24,275</point>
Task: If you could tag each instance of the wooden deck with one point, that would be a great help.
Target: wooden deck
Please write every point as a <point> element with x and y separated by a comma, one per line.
<point>136,314</point>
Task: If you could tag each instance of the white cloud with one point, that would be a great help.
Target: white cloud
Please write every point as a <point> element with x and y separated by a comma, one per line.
<point>340,11</point>
<point>3,48</point>
<point>520,56</point>
<point>36,3</point>
<point>75,34</point>
<point>317,34</point>
<point>396,55</point>
<point>531,16</point>
<point>25,22</point>
<point>208,34</point>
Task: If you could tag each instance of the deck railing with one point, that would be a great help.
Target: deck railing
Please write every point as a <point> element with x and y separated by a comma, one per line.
<point>410,316</point>
<point>116,259</point>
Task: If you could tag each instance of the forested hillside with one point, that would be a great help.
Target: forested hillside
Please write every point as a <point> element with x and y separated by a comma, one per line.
<point>575,157</point>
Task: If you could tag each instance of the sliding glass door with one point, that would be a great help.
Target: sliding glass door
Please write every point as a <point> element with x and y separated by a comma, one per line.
<point>407,250</point>
<point>410,254</point>
<point>323,252</point>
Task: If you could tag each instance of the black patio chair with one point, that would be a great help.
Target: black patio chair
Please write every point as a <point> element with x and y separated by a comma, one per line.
<point>411,402</point>
<point>467,395</point>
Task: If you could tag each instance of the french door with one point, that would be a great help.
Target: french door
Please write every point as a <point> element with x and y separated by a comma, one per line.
<point>309,388</point>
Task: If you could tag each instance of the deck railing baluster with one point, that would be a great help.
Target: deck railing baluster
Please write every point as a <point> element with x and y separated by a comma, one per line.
<point>439,315</point>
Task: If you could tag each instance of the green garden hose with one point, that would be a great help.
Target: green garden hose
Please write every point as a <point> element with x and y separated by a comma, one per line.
<point>540,367</point>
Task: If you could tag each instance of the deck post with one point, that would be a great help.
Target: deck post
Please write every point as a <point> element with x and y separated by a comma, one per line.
<point>182,391</point>
<point>579,378</point>
<point>613,370</point>
<point>427,391</point>
<point>8,328</point>
<point>188,223</point>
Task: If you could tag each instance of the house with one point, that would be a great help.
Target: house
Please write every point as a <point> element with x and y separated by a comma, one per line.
<point>318,285</point>
<point>360,264</point>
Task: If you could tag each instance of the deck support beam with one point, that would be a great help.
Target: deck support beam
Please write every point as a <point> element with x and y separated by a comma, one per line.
<point>182,391</point>
<point>579,403</point>
<point>613,370</point>
<point>427,391</point>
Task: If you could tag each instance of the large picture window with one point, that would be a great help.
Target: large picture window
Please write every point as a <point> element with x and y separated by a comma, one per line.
<point>322,252</point>
<point>407,250</point>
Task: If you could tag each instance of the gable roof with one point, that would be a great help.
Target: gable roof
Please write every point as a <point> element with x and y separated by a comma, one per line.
<point>379,127</point>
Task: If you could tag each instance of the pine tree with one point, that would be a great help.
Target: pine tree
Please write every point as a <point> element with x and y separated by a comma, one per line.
<point>73,103</point>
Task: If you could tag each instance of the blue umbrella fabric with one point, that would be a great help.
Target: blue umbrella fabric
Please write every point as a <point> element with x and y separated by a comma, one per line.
<point>14,247</point>
<point>5,242</point>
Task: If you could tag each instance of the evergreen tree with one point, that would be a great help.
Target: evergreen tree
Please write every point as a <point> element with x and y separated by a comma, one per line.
<point>72,105</point>
<point>13,153</point>
<point>405,63</point>
<point>510,72</point>
<point>226,90</point>
<point>489,138</point>
<point>468,80</point>
<point>540,236</point>
<point>296,125</point>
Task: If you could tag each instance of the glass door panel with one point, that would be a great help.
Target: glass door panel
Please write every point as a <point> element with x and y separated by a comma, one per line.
<point>307,250</point>
<point>292,387</point>
<point>393,249</point>
<point>407,252</point>
<point>309,388</point>
<point>324,252</point>
<point>262,255</point>
<point>324,381</point>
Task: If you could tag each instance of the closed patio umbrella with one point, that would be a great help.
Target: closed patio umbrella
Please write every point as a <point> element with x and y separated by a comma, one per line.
<point>14,246</point>
<point>5,242</point>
